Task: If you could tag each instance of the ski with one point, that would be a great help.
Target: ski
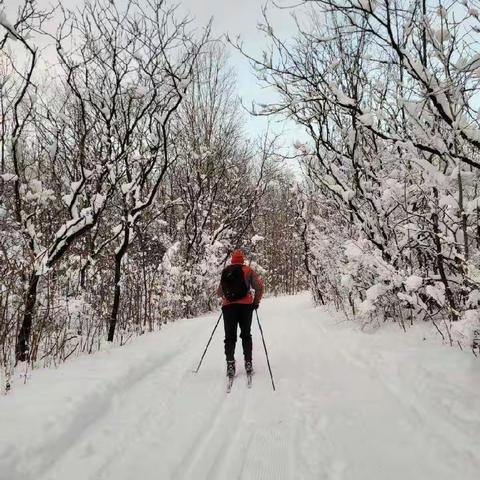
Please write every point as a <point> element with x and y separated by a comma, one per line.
<point>230,382</point>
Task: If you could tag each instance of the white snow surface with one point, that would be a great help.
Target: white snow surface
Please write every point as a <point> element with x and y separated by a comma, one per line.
<point>349,405</point>
<point>413,282</point>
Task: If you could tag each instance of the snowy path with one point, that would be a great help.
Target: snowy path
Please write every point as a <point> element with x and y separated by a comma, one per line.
<point>348,405</point>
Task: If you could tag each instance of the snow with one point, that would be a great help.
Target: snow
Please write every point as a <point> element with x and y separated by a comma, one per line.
<point>367,119</point>
<point>257,238</point>
<point>126,187</point>
<point>473,298</point>
<point>117,229</point>
<point>413,282</point>
<point>463,330</point>
<point>162,118</point>
<point>437,292</point>
<point>35,186</point>
<point>9,177</point>
<point>183,83</point>
<point>52,149</point>
<point>341,97</point>
<point>347,195</point>
<point>432,173</point>
<point>67,199</point>
<point>8,26</point>
<point>98,201</point>
<point>347,281</point>
<point>352,250</point>
<point>375,291</point>
<point>348,406</point>
<point>76,185</point>
<point>407,298</point>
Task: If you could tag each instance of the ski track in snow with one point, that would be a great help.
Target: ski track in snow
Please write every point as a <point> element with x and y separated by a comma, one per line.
<point>348,406</point>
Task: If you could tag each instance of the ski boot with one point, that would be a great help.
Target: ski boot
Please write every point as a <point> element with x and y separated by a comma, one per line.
<point>248,367</point>
<point>230,368</point>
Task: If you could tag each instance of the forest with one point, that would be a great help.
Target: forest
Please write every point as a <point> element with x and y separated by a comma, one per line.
<point>127,177</point>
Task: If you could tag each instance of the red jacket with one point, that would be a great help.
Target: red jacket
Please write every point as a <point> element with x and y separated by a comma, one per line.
<point>253,281</point>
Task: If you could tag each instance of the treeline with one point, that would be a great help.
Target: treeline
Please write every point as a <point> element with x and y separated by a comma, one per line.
<point>126,180</point>
<point>387,92</point>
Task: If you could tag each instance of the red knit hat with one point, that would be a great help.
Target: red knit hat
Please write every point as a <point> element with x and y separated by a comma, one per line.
<point>237,257</point>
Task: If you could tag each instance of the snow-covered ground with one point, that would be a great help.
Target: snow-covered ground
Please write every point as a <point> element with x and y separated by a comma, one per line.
<point>348,405</point>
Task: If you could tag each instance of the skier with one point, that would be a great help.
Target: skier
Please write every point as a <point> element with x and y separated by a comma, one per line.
<point>237,305</point>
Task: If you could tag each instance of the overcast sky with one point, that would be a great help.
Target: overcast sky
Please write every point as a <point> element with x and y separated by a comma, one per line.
<point>241,17</point>
<point>235,17</point>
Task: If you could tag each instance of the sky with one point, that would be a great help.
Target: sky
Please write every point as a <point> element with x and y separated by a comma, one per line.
<point>235,18</point>
<point>241,18</point>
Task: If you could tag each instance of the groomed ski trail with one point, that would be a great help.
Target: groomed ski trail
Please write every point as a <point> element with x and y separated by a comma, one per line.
<point>348,405</point>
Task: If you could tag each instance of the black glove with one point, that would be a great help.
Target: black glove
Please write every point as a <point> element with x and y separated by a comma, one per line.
<point>255,306</point>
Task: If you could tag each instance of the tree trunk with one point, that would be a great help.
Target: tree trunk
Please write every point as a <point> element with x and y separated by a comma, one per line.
<point>116,298</point>
<point>23,339</point>
<point>117,289</point>
<point>439,260</point>
<point>463,216</point>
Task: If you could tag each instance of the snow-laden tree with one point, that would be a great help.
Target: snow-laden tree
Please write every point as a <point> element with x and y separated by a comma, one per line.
<point>216,183</point>
<point>18,61</point>
<point>96,142</point>
<point>277,244</point>
<point>133,77</point>
<point>387,94</point>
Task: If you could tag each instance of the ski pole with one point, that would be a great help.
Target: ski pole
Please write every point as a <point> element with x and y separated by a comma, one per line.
<point>206,348</point>
<point>266,352</point>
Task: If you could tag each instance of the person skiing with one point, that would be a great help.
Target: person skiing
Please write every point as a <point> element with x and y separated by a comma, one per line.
<point>238,304</point>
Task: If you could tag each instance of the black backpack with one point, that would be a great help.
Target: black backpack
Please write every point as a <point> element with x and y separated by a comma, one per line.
<point>234,286</point>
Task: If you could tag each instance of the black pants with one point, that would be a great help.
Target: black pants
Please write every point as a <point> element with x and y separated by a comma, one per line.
<point>233,315</point>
